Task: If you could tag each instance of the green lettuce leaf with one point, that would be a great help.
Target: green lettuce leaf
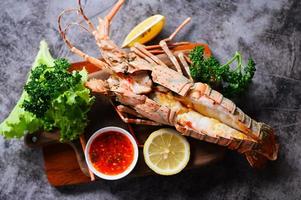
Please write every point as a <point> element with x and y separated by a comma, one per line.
<point>52,99</point>
<point>20,121</point>
<point>68,112</point>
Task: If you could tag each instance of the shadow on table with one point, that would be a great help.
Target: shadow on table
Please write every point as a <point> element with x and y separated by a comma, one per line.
<point>196,183</point>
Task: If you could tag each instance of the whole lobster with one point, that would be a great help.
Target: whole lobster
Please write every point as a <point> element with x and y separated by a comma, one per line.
<point>153,84</point>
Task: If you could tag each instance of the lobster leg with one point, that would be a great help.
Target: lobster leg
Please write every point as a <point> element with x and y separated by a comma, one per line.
<point>185,65</point>
<point>156,49</point>
<point>104,24</point>
<point>171,56</point>
<point>146,53</point>
<point>124,110</point>
<point>186,21</point>
<point>128,110</point>
<point>114,10</point>
<point>164,46</point>
<point>170,45</point>
<point>142,55</point>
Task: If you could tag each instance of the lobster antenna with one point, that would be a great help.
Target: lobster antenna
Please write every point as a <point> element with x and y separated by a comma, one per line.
<point>63,31</point>
<point>114,10</point>
<point>105,24</point>
<point>81,11</point>
<point>73,49</point>
<point>186,21</point>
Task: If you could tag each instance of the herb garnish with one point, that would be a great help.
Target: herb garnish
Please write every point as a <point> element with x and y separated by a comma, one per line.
<point>229,82</point>
<point>53,98</point>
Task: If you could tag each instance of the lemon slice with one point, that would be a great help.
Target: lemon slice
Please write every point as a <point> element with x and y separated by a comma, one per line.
<point>166,152</point>
<point>145,31</point>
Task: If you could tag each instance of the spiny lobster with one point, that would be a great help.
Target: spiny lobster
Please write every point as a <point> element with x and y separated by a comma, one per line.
<point>153,84</point>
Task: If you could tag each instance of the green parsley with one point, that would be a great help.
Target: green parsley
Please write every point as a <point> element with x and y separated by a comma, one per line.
<point>223,78</point>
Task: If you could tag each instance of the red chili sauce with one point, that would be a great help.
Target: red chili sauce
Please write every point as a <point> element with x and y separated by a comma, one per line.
<point>111,153</point>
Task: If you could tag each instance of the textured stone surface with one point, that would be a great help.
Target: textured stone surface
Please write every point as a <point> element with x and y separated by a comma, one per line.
<point>269,31</point>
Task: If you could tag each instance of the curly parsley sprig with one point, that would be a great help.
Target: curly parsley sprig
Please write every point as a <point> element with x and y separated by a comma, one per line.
<point>223,78</point>
<point>46,84</point>
<point>59,98</point>
<point>53,98</point>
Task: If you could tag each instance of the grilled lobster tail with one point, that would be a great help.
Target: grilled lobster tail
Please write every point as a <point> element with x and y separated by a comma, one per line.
<point>267,148</point>
<point>260,144</point>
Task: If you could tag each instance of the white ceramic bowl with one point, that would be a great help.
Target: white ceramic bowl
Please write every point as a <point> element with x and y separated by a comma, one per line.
<point>128,170</point>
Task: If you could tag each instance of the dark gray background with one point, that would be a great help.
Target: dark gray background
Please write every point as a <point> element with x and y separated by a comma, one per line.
<point>269,31</point>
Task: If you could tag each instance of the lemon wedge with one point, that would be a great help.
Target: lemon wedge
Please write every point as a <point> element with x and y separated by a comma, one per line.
<point>166,152</point>
<point>145,31</point>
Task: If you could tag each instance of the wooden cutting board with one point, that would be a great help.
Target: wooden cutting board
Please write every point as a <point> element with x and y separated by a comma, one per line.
<point>62,161</point>
<point>62,167</point>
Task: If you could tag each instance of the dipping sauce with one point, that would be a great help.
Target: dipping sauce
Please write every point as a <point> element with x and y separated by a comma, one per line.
<point>111,153</point>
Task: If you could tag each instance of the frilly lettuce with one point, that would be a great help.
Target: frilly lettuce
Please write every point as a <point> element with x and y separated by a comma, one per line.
<point>67,111</point>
